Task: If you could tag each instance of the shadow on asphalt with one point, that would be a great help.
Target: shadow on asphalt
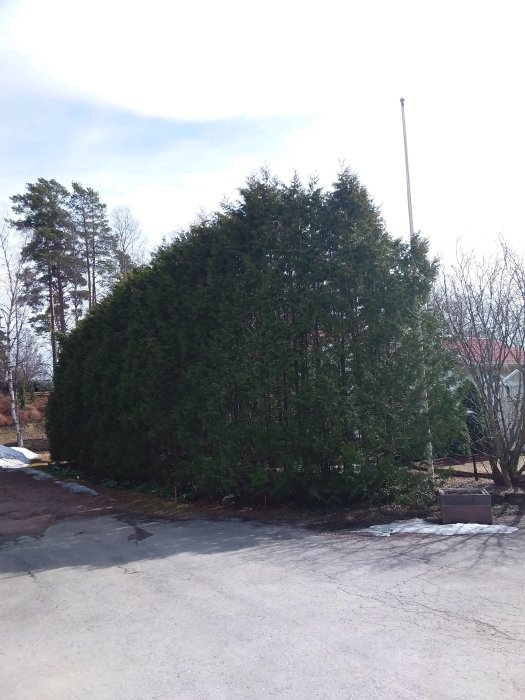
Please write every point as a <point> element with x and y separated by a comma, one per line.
<point>109,540</point>
<point>99,539</point>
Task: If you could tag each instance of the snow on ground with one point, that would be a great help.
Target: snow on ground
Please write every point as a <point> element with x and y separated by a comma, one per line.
<point>36,474</point>
<point>15,457</point>
<point>424,527</point>
<point>19,458</point>
<point>27,455</point>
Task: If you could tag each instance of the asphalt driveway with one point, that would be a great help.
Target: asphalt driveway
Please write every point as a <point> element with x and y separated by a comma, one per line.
<point>99,605</point>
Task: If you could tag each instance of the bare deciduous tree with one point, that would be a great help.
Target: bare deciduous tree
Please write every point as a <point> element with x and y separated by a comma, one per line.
<point>482,302</point>
<point>31,365</point>
<point>129,242</point>
<point>12,318</point>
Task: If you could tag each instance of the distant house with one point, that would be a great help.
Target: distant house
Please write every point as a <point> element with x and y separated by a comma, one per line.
<point>490,352</point>
<point>478,355</point>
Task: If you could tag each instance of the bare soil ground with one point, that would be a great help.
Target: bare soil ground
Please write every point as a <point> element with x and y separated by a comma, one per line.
<point>27,506</point>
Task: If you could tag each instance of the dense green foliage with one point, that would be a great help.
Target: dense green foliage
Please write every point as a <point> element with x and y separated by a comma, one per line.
<point>269,350</point>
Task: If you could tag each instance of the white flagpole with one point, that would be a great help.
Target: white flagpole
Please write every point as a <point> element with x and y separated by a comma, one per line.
<point>409,195</point>
<point>429,457</point>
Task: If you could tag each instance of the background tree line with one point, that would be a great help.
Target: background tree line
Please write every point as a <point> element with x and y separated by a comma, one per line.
<point>59,255</point>
<point>271,348</point>
<point>72,254</point>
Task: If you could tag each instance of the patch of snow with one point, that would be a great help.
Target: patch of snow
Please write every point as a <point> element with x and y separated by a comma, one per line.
<point>8,452</point>
<point>15,457</point>
<point>11,463</point>
<point>9,457</point>
<point>423,527</point>
<point>26,453</point>
<point>16,464</point>
<point>76,488</point>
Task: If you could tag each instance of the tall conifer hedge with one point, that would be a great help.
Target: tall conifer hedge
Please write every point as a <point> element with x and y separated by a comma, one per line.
<point>270,349</point>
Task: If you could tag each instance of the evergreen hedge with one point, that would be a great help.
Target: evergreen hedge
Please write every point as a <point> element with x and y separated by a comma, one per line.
<point>270,349</point>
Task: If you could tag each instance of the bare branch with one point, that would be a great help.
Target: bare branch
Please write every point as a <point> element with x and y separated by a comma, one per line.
<point>129,241</point>
<point>482,302</point>
<point>12,317</point>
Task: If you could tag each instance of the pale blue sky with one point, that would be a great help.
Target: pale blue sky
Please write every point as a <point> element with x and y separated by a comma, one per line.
<point>168,107</point>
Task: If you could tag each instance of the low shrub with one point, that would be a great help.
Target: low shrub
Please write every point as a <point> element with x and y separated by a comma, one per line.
<point>374,485</point>
<point>31,415</point>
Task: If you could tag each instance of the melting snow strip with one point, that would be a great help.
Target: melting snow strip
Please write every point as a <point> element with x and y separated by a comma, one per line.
<point>29,456</point>
<point>44,476</point>
<point>16,454</point>
<point>76,488</point>
<point>424,527</point>
<point>20,466</point>
<point>37,474</point>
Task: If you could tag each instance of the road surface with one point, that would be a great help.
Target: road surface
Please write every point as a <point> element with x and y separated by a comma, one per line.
<point>97,605</point>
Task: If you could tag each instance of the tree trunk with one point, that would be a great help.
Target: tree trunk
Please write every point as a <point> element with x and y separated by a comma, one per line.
<point>93,272</point>
<point>88,272</point>
<point>52,319</point>
<point>14,406</point>
<point>61,303</point>
<point>505,473</point>
<point>513,467</point>
<point>507,482</point>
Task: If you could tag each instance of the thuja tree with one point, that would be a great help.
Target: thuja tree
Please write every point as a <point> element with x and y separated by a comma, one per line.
<point>270,349</point>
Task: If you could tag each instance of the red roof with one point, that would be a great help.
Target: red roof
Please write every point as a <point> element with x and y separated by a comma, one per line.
<point>485,350</point>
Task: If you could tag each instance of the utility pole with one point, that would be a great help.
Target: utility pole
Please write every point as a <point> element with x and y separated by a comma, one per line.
<point>429,453</point>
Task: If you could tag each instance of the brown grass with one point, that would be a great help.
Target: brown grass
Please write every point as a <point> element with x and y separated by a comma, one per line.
<point>33,414</point>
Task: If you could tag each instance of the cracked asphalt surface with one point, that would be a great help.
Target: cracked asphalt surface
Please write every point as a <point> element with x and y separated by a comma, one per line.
<point>98,605</point>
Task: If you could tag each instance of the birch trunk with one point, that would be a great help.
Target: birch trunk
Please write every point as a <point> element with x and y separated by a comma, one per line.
<point>14,407</point>
<point>11,320</point>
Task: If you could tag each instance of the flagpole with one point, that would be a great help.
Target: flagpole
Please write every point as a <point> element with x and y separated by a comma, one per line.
<point>407,170</point>
<point>429,456</point>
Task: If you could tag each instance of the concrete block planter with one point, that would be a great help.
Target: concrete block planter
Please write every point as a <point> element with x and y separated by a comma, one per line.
<point>465,506</point>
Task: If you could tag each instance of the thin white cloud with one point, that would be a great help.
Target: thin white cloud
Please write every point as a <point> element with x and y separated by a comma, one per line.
<point>208,59</point>
<point>459,65</point>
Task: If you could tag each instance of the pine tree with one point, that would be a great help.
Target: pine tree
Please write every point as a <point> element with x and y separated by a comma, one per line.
<point>43,213</point>
<point>94,242</point>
